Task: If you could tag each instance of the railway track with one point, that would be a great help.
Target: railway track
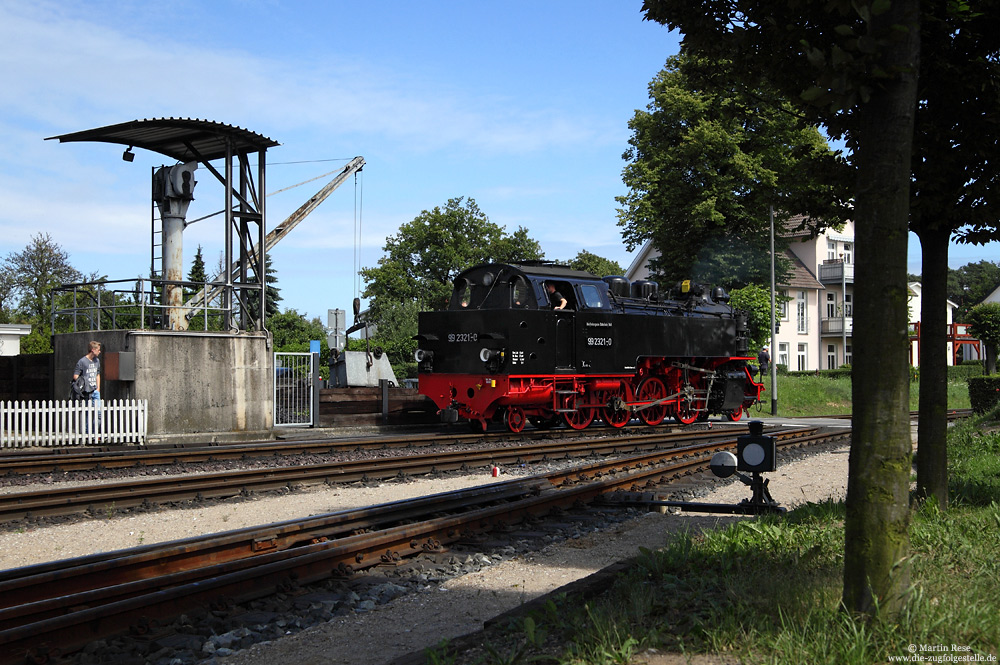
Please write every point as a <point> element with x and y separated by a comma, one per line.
<point>72,602</point>
<point>106,498</point>
<point>44,461</point>
<point>61,460</point>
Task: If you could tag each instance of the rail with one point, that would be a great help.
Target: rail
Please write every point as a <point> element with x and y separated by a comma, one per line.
<point>138,304</point>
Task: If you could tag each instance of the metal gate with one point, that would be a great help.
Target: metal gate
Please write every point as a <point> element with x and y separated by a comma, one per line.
<point>294,386</point>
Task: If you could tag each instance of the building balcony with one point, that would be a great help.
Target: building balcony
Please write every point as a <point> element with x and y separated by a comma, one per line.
<point>836,326</point>
<point>836,271</point>
<point>957,332</point>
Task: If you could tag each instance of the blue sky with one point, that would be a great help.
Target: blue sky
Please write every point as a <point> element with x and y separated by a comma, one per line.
<point>522,106</point>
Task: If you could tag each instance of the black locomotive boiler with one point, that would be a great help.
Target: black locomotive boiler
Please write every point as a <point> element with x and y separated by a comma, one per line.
<point>617,351</point>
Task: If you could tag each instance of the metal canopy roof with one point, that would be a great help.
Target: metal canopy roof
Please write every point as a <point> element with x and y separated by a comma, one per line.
<point>184,139</point>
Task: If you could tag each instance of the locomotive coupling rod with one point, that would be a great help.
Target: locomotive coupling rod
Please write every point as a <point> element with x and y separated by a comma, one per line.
<point>692,367</point>
<point>639,406</point>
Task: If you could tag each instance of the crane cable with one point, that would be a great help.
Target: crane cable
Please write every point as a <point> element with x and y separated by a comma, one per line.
<point>358,210</point>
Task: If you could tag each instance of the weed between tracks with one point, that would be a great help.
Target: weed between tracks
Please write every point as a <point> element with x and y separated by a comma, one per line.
<point>767,590</point>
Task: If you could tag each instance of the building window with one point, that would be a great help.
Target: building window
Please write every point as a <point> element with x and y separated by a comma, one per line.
<point>848,305</point>
<point>831,356</point>
<point>801,320</point>
<point>847,355</point>
<point>831,305</point>
<point>848,248</point>
<point>781,304</point>
<point>831,250</point>
<point>783,353</point>
<point>803,358</point>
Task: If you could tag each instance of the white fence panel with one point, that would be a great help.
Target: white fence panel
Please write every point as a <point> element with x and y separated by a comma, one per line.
<point>72,422</point>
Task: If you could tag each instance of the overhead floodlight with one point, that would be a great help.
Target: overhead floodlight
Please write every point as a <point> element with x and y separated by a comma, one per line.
<point>128,155</point>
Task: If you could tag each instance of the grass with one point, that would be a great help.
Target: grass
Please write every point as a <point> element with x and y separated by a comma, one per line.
<point>819,395</point>
<point>768,590</point>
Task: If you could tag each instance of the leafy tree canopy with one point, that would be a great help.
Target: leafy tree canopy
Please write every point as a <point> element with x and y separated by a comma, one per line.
<point>423,257</point>
<point>595,265</point>
<point>38,341</point>
<point>394,336</point>
<point>708,159</point>
<point>35,271</point>
<point>273,297</point>
<point>984,323</point>
<point>756,302</point>
<point>292,333</point>
<point>969,285</point>
<point>956,146</point>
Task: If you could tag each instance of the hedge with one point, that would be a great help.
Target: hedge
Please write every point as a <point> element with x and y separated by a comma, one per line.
<point>955,373</point>
<point>984,392</point>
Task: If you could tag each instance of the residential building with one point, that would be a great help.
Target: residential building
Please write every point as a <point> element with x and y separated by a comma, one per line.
<point>815,308</point>
<point>10,338</point>
<point>961,345</point>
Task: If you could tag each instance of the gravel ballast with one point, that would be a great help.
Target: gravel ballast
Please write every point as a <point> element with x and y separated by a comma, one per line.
<point>392,618</point>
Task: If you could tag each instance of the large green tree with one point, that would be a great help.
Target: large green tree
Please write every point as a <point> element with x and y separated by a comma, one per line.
<point>853,64</point>
<point>423,257</point>
<point>709,157</point>
<point>421,260</point>
<point>953,191</point>
<point>970,284</point>
<point>35,271</point>
<point>6,293</point>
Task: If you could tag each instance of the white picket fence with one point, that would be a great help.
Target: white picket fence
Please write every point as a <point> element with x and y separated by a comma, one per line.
<point>72,422</point>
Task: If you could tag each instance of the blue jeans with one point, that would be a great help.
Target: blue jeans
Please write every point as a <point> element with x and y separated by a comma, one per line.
<point>94,399</point>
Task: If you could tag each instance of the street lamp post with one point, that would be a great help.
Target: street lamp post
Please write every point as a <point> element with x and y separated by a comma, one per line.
<point>843,312</point>
<point>774,348</point>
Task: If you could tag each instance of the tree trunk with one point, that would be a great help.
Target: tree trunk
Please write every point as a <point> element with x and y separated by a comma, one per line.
<point>876,575</point>
<point>932,448</point>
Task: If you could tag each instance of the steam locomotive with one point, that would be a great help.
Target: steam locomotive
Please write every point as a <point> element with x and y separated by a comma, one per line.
<point>617,351</point>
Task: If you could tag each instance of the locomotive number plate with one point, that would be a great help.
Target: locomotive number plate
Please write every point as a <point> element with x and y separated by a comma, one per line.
<point>598,341</point>
<point>463,337</point>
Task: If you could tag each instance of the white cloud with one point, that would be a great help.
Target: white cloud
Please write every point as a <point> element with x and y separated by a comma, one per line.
<point>73,74</point>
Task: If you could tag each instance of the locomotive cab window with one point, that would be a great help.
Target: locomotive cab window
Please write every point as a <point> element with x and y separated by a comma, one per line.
<point>592,297</point>
<point>461,297</point>
<point>564,289</point>
<point>520,293</point>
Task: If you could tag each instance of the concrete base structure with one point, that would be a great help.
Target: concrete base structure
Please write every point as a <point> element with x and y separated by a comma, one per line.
<point>357,368</point>
<point>200,386</point>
